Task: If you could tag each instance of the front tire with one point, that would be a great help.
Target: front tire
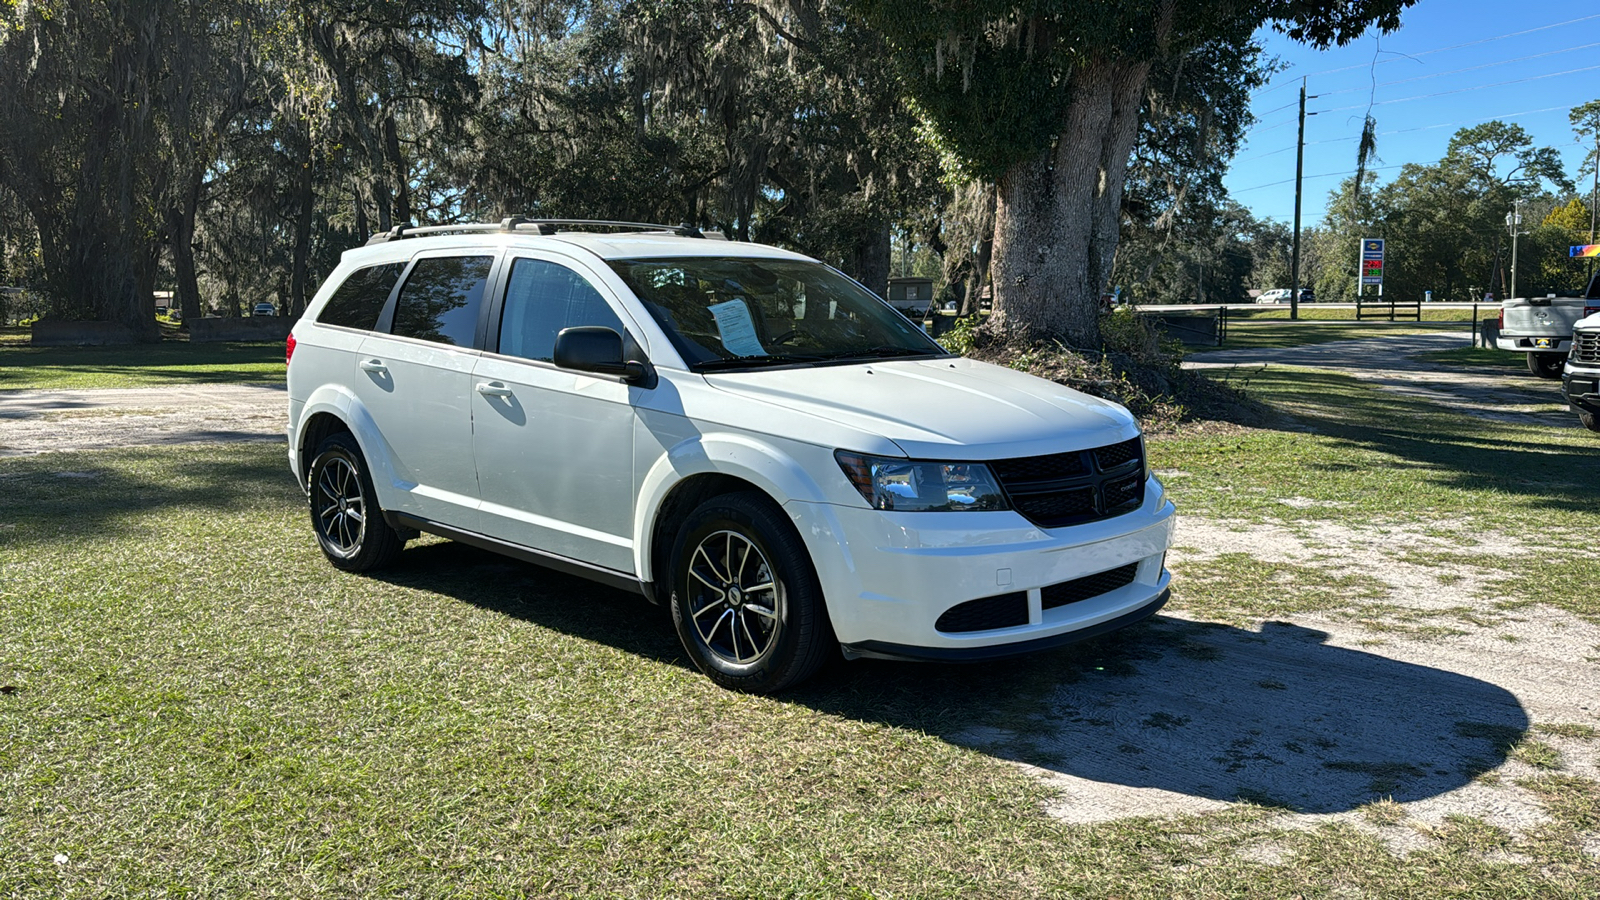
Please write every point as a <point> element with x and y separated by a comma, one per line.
<point>1590,420</point>
<point>745,597</point>
<point>345,514</point>
<point>1546,365</point>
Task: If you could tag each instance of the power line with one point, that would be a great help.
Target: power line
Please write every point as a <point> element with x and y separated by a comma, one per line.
<point>1345,140</point>
<point>1459,71</point>
<point>1279,109</point>
<point>1526,112</point>
<point>1464,90</point>
<point>1436,50</point>
<point>1308,177</point>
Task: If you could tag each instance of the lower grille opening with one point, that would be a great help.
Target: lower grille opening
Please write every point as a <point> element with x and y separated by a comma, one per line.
<point>1087,587</point>
<point>985,613</point>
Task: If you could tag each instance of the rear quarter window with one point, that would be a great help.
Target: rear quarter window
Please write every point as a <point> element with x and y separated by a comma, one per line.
<point>440,300</point>
<point>357,302</point>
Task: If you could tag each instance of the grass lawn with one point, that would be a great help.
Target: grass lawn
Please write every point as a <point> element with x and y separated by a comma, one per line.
<point>192,702</point>
<point>1479,357</point>
<point>141,365</point>
<point>1312,312</point>
<point>1272,333</point>
<point>1270,326</point>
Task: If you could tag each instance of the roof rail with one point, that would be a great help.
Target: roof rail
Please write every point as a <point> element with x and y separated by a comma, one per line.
<point>543,226</point>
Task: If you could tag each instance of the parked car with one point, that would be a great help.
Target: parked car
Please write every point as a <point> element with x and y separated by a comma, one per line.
<point>1276,295</point>
<point>1580,377</point>
<point>738,432</point>
<point>264,309</point>
<point>1541,327</point>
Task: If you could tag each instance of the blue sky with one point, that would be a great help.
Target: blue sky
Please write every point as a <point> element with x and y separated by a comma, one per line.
<point>1461,51</point>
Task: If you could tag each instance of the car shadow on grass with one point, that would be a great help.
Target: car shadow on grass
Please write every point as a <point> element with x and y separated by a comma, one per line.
<point>1200,710</point>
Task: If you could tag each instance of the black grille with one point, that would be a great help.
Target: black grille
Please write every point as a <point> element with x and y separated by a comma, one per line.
<point>1061,489</point>
<point>1125,493</point>
<point>1057,505</point>
<point>1041,468</point>
<point>1001,611</point>
<point>1586,346</point>
<point>1117,454</point>
<point>1084,588</point>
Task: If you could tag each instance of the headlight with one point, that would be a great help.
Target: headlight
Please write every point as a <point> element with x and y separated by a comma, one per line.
<point>907,485</point>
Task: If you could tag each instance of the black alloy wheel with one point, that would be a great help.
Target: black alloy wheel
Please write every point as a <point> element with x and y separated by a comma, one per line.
<point>746,601</point>
<point>345,514</point>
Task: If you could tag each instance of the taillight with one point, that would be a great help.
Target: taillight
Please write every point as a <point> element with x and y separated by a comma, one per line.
<point>1502,324</point>
<point>1590,310</point>
<point>288,350</point>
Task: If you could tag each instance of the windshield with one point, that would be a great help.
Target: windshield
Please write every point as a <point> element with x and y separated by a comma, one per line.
<point>723,313</point>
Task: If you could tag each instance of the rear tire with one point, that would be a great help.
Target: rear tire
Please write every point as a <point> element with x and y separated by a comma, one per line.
<point>1546,365</point>
<point>745,597</point>
<point>345,514</point>
<point>1590,420</point>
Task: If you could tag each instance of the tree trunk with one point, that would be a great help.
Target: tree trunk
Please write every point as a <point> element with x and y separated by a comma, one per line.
<point>869,264</point>
<point>391,149</point>
<point>1059,214</point>
<point>182,236</point>
<point>305,208</point>
<point>972,297</point>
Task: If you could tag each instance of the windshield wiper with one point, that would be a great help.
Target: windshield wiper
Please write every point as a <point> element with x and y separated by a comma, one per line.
<point>885,353</point>
<point>753,362</point>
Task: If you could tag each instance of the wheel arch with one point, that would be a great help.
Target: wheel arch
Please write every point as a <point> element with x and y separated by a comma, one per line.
<point>697,470</point>
<point>331,410</point>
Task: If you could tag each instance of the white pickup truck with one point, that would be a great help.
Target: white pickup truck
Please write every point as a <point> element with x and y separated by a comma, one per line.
<point>1542,327</point>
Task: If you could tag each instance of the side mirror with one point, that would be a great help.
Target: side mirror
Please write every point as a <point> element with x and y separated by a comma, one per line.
<point>598,349</point>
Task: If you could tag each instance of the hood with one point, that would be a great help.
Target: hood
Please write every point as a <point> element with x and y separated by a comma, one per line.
<point>942,408</point>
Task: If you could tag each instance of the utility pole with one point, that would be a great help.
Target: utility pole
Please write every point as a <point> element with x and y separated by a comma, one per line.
<point>1594,198</point>
<point>1514,221</point>
<point>1299,166</point>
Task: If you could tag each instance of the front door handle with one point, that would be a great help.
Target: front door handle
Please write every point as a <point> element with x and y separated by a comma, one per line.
<point>492,389</point>
<point>373,365</point>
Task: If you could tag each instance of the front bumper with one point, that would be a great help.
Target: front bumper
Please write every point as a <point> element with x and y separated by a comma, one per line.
<point>882,650</point>
<point>888,576</point>
<point>1581,387</point>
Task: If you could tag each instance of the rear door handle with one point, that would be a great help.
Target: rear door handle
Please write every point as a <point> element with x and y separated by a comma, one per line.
<point>373,365</point>
<point>492,389</point>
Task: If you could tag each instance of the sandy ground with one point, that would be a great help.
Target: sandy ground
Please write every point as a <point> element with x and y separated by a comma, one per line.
<point>1325,714</point>
<point>42,421</point>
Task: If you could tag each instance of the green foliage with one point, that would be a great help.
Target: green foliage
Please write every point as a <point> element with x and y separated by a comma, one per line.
<point>963,336</point>
<point>1445,222</point>
<point>993,80</point>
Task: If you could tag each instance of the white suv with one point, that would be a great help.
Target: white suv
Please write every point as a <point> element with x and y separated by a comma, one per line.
<point>735,430</point>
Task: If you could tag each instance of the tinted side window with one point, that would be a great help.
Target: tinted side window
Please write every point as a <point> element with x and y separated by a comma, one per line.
<point>441,298</point>
<point>357,302</point>
<point>541,299</point>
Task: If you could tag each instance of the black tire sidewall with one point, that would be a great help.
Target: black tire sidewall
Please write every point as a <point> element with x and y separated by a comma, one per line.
<point>799,607</point>
<point>378,542</point>
<point>1546,365</point>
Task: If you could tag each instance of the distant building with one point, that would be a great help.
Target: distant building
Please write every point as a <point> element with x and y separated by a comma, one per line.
<point>910,293</point>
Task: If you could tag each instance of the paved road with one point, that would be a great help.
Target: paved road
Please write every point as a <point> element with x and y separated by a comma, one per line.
<point>1390,362</point>
<point>42,421</point>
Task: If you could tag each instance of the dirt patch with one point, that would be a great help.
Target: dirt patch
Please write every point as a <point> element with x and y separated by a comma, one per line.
<point>1315,718</point>
<point>45,421</point>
